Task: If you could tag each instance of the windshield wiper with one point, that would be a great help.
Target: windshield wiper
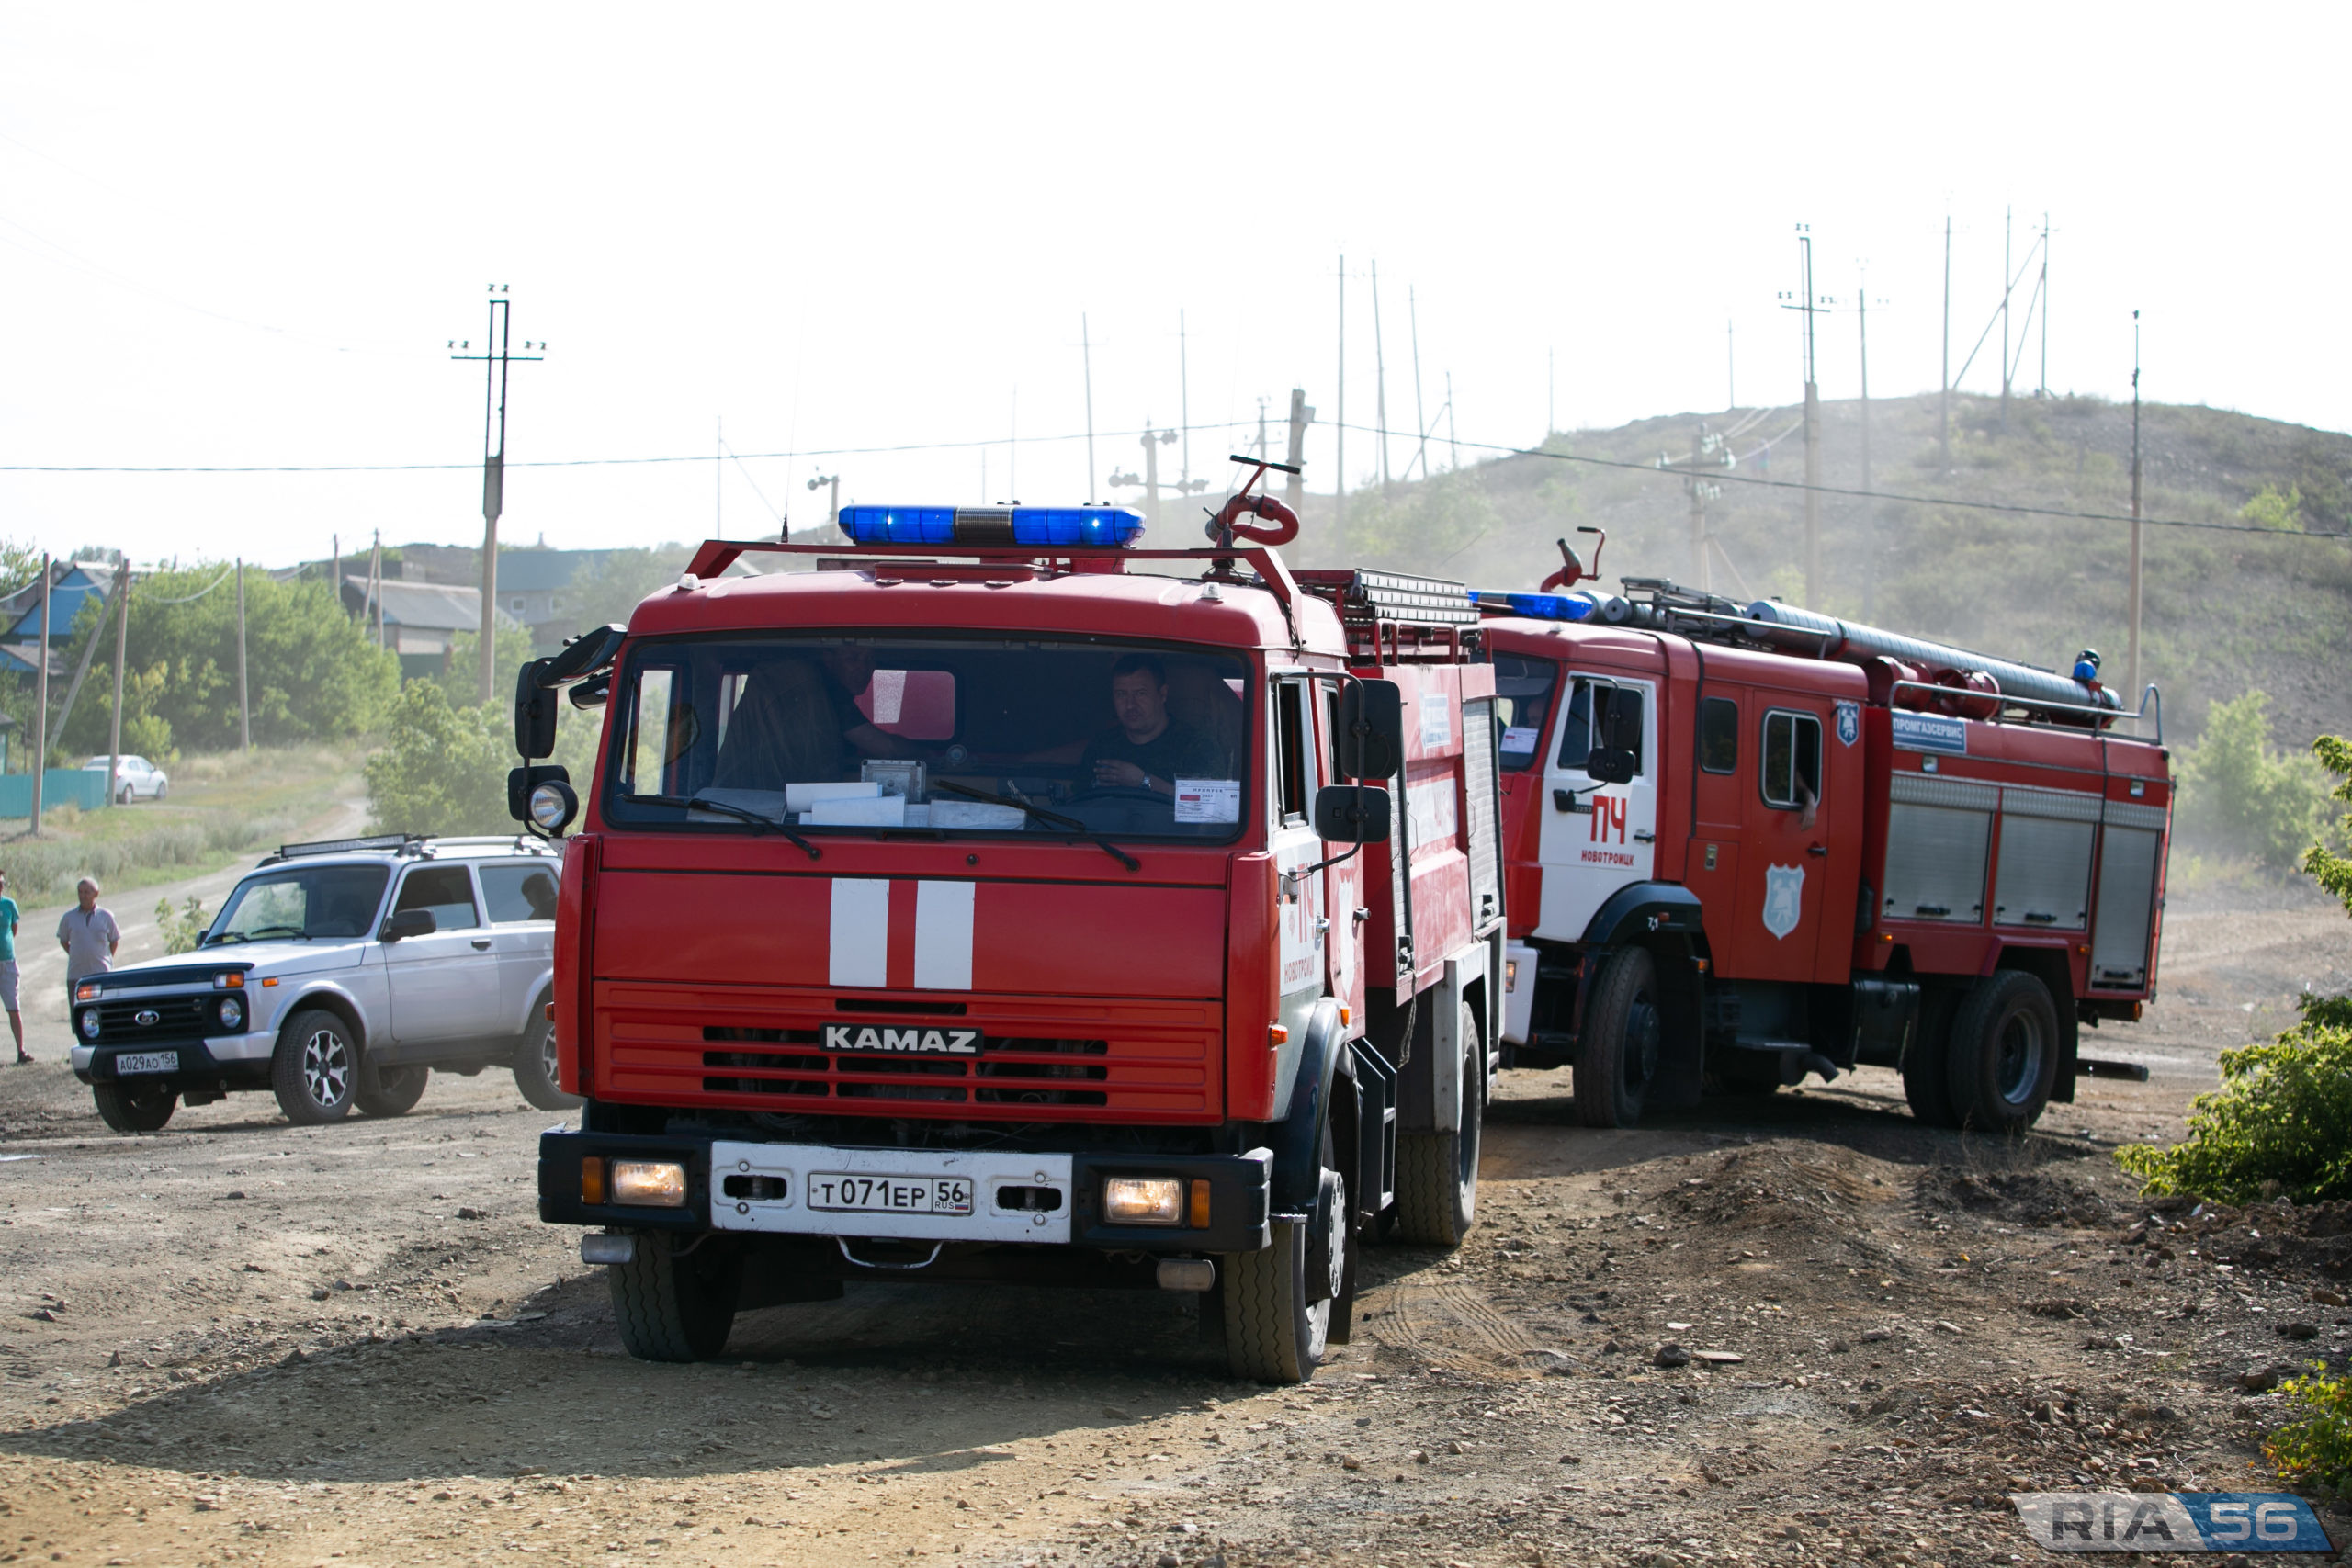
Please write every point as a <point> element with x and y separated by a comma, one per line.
<point>1051,819</point>
<point>727,808</point>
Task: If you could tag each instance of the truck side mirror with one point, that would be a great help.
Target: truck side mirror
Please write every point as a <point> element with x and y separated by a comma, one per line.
<point>408,923</point>
<point>1370,741</point>
<point>535,710</point>
<point>1610,765</point>
<point>1621,724</point>
<point>1346,815</point>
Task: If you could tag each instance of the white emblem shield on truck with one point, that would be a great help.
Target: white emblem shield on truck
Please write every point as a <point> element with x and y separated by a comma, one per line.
<point>1783,898</point>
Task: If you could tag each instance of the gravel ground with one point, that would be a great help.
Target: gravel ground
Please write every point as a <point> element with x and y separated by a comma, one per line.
<point>241,1342</point>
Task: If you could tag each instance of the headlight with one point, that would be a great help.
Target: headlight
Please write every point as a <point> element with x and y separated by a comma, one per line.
<point>654,1184</point>
<point>233,1013</point>
<point>88,1024</point>
<point>1143,1200</point>
<point>552,805</point>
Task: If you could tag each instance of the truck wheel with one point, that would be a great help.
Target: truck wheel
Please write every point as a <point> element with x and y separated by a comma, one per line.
<point>1279,1301</point>
<point>675,1307</point>
<point>1617,1049</point>
<point>1927,1064</point>
<point>1436,1173</point>
<point>535,1069</point>
<point>135,1108</point>
<point>389,1091</point>
<point>316,1068</point>
<point>2002,1056</point>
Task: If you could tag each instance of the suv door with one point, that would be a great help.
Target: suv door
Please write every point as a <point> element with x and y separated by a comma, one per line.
<point>519,896</point>
<point>444,987</point>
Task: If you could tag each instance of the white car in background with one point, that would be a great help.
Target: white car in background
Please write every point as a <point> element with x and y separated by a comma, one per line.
<point>135,779</point>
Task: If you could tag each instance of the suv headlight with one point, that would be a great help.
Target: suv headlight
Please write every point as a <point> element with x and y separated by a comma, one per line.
<point>88,1024</point>
<point>233,1013</point>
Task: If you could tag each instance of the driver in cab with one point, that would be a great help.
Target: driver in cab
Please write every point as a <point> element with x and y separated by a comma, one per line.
<point>1146,750</point>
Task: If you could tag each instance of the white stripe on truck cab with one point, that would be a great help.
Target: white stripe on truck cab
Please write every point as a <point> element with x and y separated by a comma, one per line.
<point>943,935</point>
<point>859,954</point>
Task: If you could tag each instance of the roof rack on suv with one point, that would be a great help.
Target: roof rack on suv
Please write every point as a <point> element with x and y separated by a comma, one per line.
<point>405,843</point>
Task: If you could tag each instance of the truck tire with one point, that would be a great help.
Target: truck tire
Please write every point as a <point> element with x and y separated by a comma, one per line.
<point>2003,1056</point>
<point>1617,1049</point>
<point>1927,1064</point>
<point>1436,1173</point>
<point>1275,1331</point>
<point>389,1091</point>
<point>135,1108</point>
<point>534,1068</point>
<point>316,1068</point>
<point>676,1305</point>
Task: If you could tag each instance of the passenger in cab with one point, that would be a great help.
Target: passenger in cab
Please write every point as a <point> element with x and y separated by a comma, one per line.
<point>1146,749</point>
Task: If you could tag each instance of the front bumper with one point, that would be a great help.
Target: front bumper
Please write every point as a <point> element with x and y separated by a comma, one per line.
<point>230,1059</point>
<point>1238,1188</point>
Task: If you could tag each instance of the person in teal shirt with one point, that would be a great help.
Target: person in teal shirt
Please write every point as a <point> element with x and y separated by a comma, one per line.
<point>9,919</point>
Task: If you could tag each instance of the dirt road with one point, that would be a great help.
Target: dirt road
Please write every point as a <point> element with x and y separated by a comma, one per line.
<point>242,1343</point>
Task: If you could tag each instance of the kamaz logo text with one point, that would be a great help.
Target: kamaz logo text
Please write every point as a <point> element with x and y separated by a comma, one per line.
<point>943,1042</point>
<point>1607,812</point>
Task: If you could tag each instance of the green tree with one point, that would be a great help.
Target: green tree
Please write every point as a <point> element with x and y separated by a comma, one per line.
<point>462,678</point>
<point>2334,871</point>
<point>443,767</point>
<point>606,590</point>
<point>2240,795</point>
<point>311,673</point>
<point>1421,528</point>
<point>2269,508</point>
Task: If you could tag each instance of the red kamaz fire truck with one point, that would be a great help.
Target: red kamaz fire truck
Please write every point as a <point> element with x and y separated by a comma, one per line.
<point>1005,901</point>
<point>1746,843</point>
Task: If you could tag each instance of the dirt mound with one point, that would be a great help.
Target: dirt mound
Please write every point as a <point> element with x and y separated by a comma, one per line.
<point>2035,1198</point>
<point>1751,1189</point>
<point>2277,1237</point>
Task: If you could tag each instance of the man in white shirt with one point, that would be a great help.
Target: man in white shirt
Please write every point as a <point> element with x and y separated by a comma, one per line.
<point>89,937</point>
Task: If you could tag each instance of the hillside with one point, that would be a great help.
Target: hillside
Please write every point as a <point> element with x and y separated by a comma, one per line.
<point>2224,611</point>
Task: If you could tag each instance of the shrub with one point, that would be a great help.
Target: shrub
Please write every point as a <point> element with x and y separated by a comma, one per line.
<point>443,769</point>
<point>2239,794</point>
<point>2334,871</point>
<point>2283,1114</point>
<point>2269,508</point>
<point>2316,1445</point>
<point>182,931</point>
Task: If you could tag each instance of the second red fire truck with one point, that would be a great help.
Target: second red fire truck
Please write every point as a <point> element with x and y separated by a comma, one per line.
<point>1004,900</point>
<point>1747,844</point>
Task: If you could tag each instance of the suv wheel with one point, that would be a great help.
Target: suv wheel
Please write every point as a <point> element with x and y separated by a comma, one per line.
<point>135,1108</point>
<point>389,1091</point>
<point>316,1068</point>
<point>535,1067</point>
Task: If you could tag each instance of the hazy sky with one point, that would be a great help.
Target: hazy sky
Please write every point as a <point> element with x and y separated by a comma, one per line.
<point>240,235</point>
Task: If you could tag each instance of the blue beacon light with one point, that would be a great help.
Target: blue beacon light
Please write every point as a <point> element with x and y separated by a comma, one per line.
<point>1539,606</point>
<point>1025,526</point>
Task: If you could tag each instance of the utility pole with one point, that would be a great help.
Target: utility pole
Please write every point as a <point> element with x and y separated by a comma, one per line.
<point>2044,291</point>
<point>1339,430</point>
<point>245,704</point>
<point>2131,658</point>
<point>1452,442</point>
<point>1810,307</point>
<point>1870,503</point>
<point>1086,358</point>
<point>1184,409</point>
<point>1152,441</point>
<point>1379,379</point>
<point>121,644</point>
<point>1420,411</point>
<point>375,605</point>
<point>2006,289</point>
<point>1943,416</point>
<point>833,506</point>
<point>337,541</point>
<point>495,358</point>
<point>1708,450</point>
<point>1301,416</point>
<point>40,701</point>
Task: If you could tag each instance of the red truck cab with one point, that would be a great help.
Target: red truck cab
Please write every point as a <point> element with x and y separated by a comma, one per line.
<point>997,902</point>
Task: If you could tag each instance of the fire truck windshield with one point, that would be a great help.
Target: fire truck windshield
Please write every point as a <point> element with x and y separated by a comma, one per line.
<point>1036,735</point>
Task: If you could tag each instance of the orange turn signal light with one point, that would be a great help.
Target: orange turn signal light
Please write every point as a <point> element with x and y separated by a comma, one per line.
<point>1276,1036</point>
<point>592,1180</point>
<point>1197,1213</point>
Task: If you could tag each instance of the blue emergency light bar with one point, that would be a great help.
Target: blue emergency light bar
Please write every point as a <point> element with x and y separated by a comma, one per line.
<point>1042,527</point>
<point>1539,606</point>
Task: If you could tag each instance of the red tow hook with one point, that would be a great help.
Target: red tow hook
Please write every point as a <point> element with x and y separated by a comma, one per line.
<point>1266,506</point>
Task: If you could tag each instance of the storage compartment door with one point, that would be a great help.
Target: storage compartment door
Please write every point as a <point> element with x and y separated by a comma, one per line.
<point>2133,837</point>
<point>2044,880</point>
<point>1938,833</point>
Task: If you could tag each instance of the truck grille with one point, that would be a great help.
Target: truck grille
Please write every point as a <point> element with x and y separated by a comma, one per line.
<point>1040,1059</point>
